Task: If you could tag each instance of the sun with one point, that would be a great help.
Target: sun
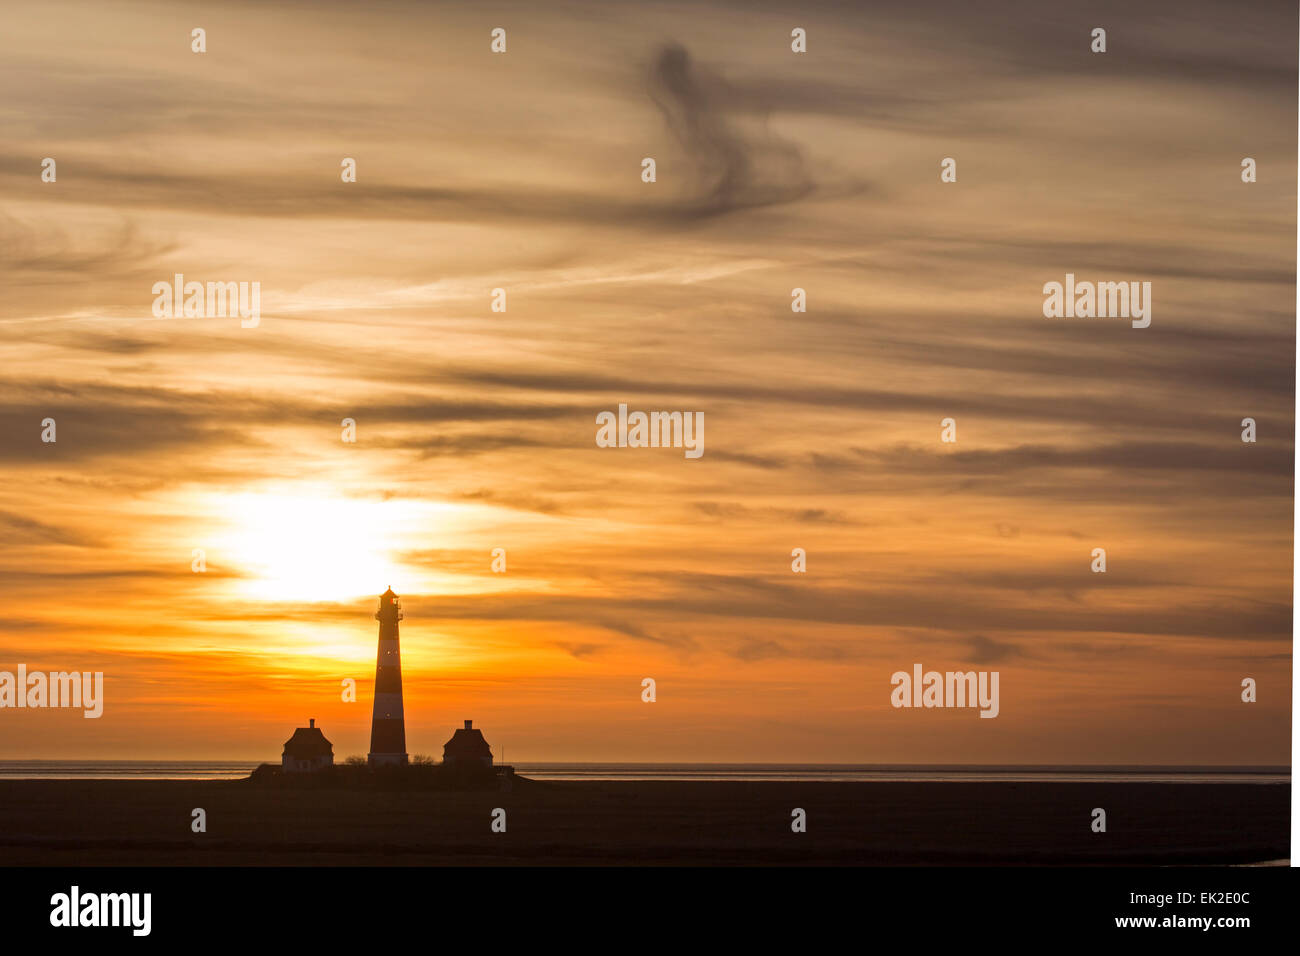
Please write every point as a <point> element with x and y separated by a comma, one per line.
<point>312,546</point>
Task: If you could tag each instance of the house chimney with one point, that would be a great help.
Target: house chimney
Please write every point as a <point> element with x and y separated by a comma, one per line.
<point>469,725</point>
<point>311,724</point>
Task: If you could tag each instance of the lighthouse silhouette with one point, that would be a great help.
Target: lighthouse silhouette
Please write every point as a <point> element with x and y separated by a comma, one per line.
<point>388,726</point>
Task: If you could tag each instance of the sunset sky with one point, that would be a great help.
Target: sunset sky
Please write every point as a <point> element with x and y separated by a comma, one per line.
<point>476,429</point>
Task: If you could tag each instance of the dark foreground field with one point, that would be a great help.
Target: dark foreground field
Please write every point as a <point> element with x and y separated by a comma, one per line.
<point>71,823</point>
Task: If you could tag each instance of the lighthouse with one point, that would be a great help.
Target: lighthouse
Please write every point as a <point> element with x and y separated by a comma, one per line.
<point>388,727</point>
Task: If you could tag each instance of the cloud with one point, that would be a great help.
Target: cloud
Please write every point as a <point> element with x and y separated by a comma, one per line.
<point>985,650</point>
<point>580,651</point>
<point>701,597</point>
<point>45,255</point>
<point>733,511</point>
<point>734,171</point>
<point>1229,454</point>
<point>760,649</point>
<point>39,532</point>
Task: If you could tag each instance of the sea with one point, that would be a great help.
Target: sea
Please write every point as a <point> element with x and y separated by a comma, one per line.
<point>848,773</point>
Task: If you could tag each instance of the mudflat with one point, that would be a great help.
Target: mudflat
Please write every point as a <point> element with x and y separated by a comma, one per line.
<point>113,822</point>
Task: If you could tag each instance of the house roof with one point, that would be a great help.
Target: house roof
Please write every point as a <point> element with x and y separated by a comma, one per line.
<point>466,743</point>
<point>308,742</point>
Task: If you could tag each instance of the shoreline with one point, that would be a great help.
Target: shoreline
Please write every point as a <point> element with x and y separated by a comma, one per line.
<point>234,770</point>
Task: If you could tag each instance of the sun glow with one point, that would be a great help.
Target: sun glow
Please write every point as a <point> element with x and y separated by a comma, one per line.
<point>314,547</point>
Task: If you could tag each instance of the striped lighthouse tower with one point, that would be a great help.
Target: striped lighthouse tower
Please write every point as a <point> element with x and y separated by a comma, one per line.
<point>388,727</point>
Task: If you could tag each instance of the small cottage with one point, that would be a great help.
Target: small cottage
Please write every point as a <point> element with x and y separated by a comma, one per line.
<point>467,749</point>
<point>307,750</point>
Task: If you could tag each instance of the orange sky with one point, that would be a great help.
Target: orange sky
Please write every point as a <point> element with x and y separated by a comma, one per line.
<point>475,429</point>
